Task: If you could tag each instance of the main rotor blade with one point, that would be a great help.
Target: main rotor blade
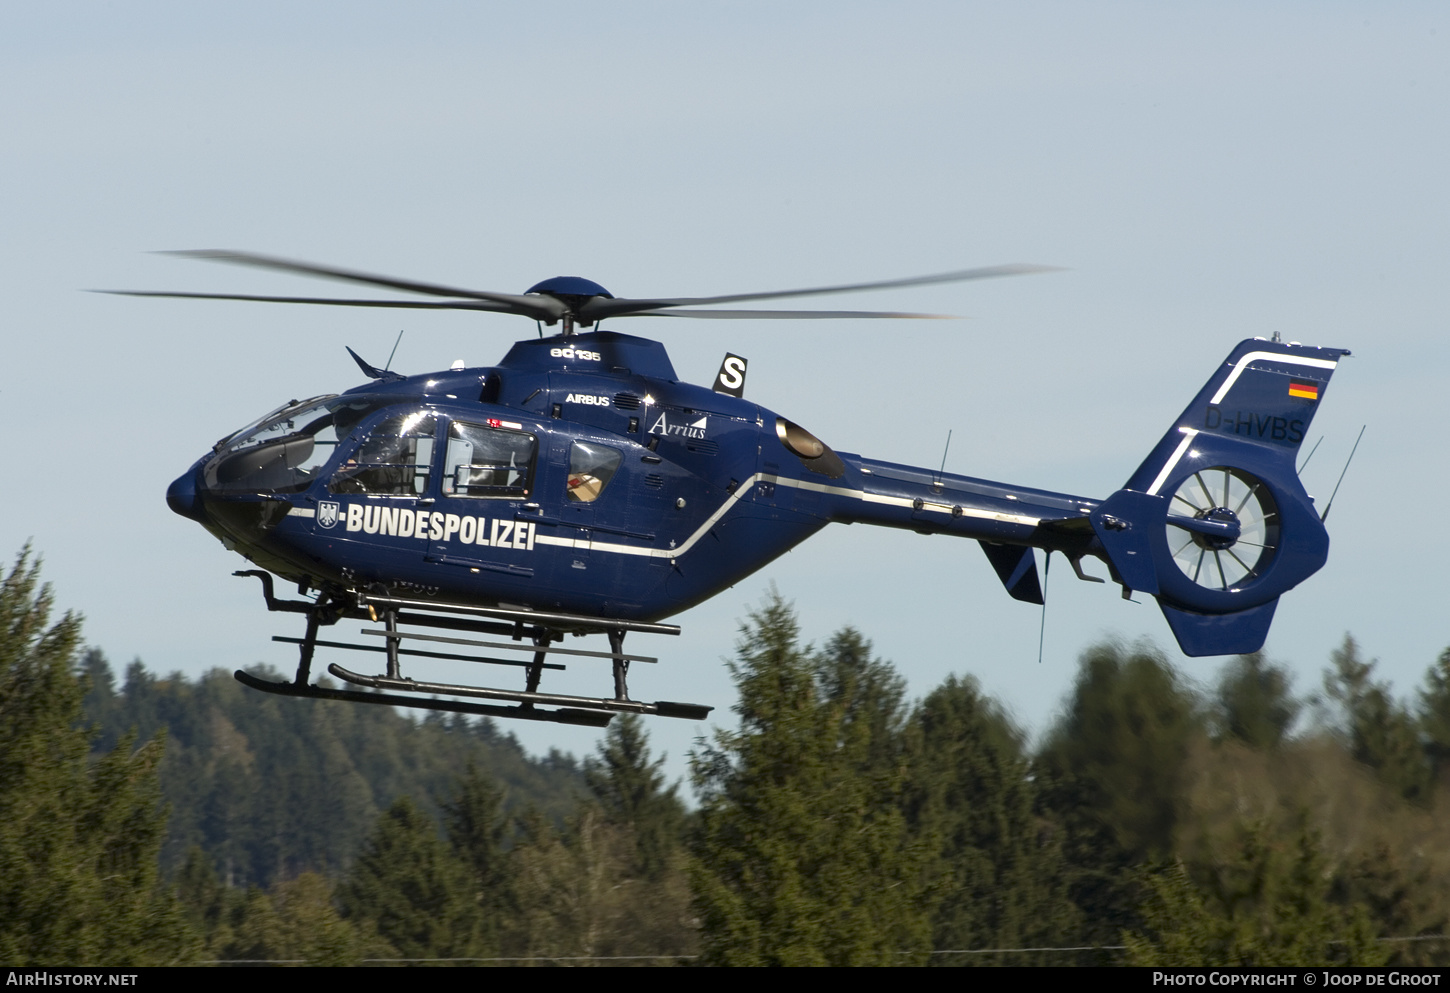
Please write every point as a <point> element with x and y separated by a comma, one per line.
<point>486,305</point>
<point>599,308</point>
<point>532,306</point>
<point>786,315</point>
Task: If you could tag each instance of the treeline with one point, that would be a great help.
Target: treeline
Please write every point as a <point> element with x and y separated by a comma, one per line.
<point>837,822</point>
<point>269,787</point>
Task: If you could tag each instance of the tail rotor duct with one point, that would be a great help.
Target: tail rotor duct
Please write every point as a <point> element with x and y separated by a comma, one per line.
<point>1223,528</point>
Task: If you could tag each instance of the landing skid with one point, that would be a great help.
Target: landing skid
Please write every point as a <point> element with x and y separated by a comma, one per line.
<point>588,718</point>
<point>533,634</point>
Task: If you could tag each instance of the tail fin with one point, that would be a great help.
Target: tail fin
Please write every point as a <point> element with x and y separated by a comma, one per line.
<point>1215,523</point>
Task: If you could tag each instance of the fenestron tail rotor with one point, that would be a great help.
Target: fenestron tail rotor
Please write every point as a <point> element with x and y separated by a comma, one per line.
<point>568,300</point>
<point>1223,528</point>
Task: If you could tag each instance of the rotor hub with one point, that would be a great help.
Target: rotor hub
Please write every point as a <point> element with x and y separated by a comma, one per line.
<point>1218,542</point>
<point>1223,528</point>
<point>570,288</point>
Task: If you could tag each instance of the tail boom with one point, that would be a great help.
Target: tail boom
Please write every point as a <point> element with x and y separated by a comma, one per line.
<point>1214,524</point>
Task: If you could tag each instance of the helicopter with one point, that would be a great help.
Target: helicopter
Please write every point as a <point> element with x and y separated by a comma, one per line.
<point>579,487</point>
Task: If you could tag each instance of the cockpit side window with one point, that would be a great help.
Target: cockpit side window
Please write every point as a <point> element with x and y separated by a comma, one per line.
<point>286,451</point>
<point>393,460</point>
<point>487,461</point>
<point>591,467</point>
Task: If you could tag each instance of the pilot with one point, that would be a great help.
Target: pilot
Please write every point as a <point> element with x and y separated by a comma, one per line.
<point>383,465</point>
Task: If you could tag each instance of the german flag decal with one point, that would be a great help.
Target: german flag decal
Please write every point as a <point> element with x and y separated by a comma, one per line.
<point>1303,390</point>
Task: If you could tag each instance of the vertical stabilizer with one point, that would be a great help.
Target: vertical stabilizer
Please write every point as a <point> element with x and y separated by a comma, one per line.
<point>1215,523</point>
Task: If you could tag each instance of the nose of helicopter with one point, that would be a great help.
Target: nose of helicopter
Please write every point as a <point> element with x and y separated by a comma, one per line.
<point>182,497</point>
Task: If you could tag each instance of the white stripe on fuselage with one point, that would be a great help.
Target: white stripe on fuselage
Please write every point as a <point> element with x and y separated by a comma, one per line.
<point>799,484</point>
<point>1188,436</point>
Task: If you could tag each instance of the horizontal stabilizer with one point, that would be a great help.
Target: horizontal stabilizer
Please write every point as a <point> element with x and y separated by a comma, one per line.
<point>1017,568</point>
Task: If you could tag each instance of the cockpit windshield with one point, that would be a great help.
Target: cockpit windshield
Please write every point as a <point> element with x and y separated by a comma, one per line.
<point>286,450</point>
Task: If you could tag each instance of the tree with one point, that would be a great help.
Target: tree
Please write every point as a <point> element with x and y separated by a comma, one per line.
<point>295,923</point>
<point>804,857</point>
<point>1435,718</point>
<point>272,787</point>
<point>411,890</point>
<point>1116,758</point>
<point>998,870</point>
<point>1254,702</point>
<point>78,840</point>
<point>1382,733</point>
<point>479,832</point>
<point>630,789</point>
<point>578,895</point>
<point>611,882</point>
<point>1112,774</point>
<point>1267,905</point>
<point>870,693</point>
<point>1403,895</point>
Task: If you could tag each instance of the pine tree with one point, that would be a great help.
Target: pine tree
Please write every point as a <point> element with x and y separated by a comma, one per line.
<point>1254,702</point>
<point>1116,758</point>
<point>272,787</point>
<point>870,693</point>
<point>999,874</point>
<point>1403,895</point>
<point>479,832</point>
<point>1435,719</point>
<point>409,889</point>
<point>1382,733</point>
<point>804,857</point>
<point>78,840</point>
<point>630,788</point>
<point>1112,775</point>
<point>1268,906</point>
<point>653,913</point>
<point>296,922</point>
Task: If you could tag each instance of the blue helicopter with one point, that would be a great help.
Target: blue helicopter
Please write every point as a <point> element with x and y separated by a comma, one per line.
<point>579,487</point>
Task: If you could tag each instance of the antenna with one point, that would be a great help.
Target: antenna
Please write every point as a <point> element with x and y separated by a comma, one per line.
<point>393,352</point>
<point>1300,471</point>
<point>1325,516</point>
<point>1042,631</point>
<point>946,448</point>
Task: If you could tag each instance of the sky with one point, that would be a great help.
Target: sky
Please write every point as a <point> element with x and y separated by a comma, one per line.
<point>1202,172</point>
